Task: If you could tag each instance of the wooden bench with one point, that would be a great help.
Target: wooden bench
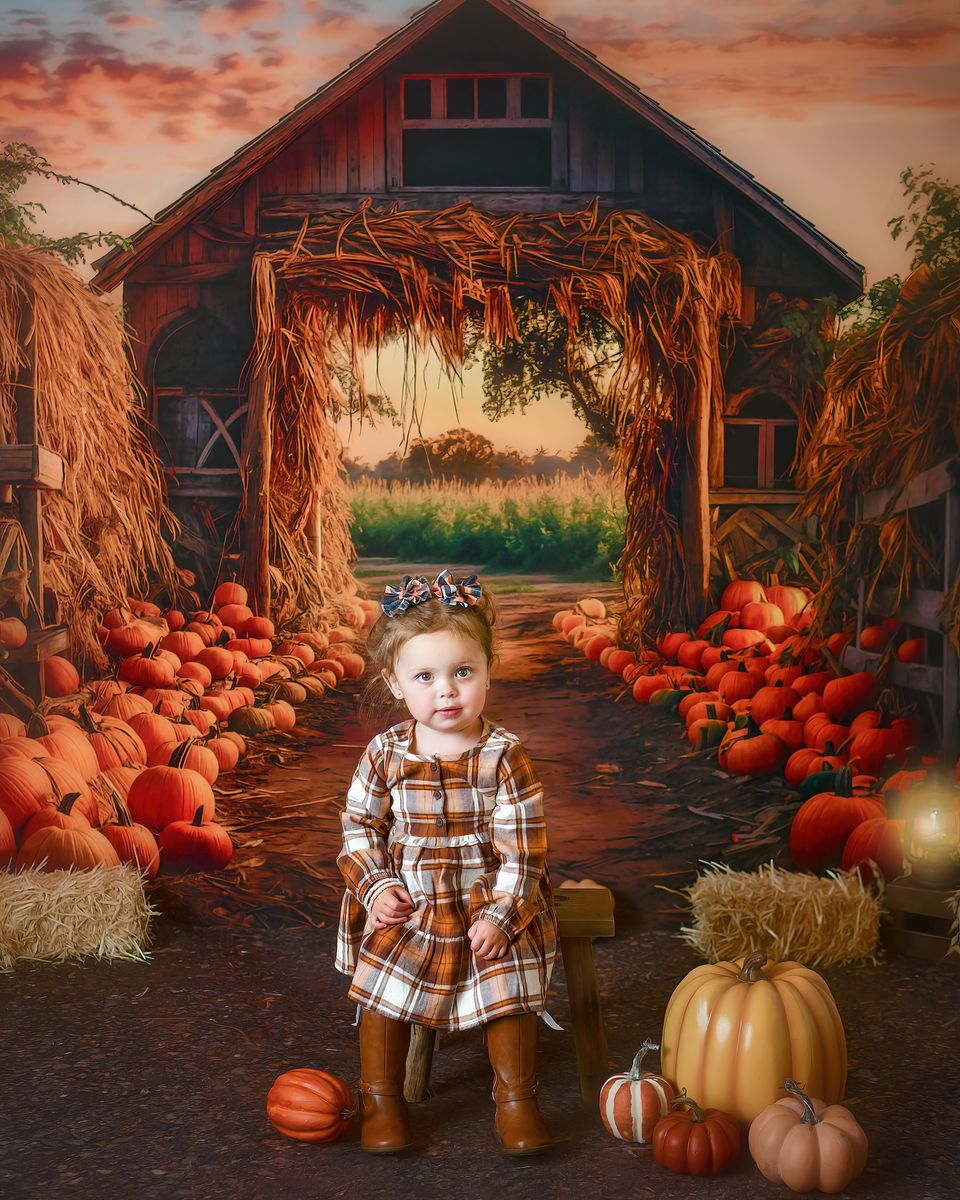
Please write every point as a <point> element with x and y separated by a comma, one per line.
<point>583,913</point>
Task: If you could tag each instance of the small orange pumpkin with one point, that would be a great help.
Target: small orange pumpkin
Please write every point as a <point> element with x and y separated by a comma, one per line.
<point>310,1105</point>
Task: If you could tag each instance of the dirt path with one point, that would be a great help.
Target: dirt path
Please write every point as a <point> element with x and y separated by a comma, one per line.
<point>147,1081</point>
<point>627,804</point>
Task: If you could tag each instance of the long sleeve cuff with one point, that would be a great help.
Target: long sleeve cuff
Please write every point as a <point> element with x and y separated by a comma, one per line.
<point>374,884</point>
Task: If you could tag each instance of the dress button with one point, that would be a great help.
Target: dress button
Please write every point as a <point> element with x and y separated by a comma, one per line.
<point>438,795</point>
<point>439,820</point>
<point>436,768</point>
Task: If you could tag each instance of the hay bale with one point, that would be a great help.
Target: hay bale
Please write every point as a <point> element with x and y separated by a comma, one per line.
<point>785,914</point>
<point>49,916</point>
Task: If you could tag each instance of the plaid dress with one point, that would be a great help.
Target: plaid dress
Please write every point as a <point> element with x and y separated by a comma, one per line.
<point>466,837</point>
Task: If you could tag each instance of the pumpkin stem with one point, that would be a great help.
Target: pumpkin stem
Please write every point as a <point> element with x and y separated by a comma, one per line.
<point>178,757</point>
<point>36,725</point>
<point>123,817</point>
<point>696,1112</point>
<point>68,802</point>
<point>750,972</point>
<point>809,1116</point>
<point>635,1071</point>
<point>198,816</point>
<point>87,722</point>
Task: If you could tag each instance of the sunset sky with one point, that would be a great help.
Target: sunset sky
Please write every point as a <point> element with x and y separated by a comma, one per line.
<point>825,103</point>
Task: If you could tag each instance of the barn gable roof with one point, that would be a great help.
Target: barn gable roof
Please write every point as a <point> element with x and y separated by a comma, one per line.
<point>114,266</point>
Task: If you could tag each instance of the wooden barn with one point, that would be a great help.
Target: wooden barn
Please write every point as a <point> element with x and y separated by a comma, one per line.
<point>479,101</point>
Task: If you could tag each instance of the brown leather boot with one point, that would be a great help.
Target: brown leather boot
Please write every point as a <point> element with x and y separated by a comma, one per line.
<point>512,1047</point>
<point>384,1124</point>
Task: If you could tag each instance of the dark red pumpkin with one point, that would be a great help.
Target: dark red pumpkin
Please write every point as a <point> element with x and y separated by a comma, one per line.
<point>823,823</point>
<point>771,702</point>
<point>195,845</point>
<point>848,695</point>
<point>753,753</point>
<point>696,1142</point>
<point>878,839</point>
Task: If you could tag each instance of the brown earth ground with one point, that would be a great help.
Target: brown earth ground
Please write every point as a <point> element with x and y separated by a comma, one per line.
<point>149,1079</point>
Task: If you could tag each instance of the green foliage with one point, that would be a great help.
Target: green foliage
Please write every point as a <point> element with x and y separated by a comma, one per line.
<point>567,526</point>
<point>19,163</point>
<point>932,221</point>
<point>537,365</point>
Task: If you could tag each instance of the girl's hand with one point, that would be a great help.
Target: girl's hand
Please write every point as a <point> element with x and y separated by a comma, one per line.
<point>487,941</point>
<point>392,907</point>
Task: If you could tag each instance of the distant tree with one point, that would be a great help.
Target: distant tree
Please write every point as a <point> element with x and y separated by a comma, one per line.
<point>18,163</point>
<point>511,464</point>
<point>457,454</point>
<point>591,455</point>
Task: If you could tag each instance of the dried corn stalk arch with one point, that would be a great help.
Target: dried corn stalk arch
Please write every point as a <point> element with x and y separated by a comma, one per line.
<point>363,277</point>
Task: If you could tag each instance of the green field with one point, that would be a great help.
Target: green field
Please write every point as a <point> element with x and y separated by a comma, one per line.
<point>572,526</point>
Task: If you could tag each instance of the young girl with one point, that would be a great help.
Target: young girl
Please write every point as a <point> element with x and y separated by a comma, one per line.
<point>448,919</point>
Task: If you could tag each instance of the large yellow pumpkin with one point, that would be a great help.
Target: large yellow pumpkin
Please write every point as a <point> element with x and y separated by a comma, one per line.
<point>733,1031</point>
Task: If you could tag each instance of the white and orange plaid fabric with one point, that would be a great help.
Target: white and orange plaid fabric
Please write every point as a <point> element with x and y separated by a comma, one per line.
<point>466,836</point>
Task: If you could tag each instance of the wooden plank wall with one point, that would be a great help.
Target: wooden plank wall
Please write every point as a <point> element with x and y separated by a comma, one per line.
<point>345,152</point>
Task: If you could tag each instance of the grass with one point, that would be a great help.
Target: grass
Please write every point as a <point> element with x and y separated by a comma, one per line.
<point>566,525</point>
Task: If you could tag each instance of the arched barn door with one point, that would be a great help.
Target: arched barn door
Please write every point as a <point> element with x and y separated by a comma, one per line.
<point>199,408</point>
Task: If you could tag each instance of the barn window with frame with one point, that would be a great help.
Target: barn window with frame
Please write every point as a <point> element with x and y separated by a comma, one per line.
<point>477,131</point>
<point>759,445</point>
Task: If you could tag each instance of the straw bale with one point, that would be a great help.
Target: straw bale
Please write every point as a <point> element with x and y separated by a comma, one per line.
<point>104,533</point>
<point>786,914</point>
<point>50,916</point>
<point>353,279</point>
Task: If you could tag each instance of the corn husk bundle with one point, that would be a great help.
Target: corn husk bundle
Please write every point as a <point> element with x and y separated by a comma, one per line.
<point>815,920</point>
<point>103,534</point>
<point>352,280</point>
<point>891,410</point>
<point>50,916</point>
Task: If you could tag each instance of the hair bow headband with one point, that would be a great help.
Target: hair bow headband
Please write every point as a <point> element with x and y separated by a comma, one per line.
<point>414,589</point>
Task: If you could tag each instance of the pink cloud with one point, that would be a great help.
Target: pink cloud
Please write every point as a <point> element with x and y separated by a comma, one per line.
<point>236,16</point>
<point>129,20</point>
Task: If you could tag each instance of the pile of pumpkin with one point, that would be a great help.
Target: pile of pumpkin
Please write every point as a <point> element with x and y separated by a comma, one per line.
<point>735,1037</point>
<point>755,687</point>
<point>123,769</point>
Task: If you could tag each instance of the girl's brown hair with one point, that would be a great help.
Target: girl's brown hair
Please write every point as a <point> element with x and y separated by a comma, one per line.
<point>388,634</point>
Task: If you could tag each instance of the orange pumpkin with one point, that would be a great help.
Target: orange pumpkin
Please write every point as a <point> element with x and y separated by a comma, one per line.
<point>310,1105</point>
<point>60,676</point>
<point>878,839</point>
<point>134,843</point>
<point>13,633</point>
<point>79,848</point>
<point>229,592</point>
<point>761,615</point>
<point>823,823</point>
<point>741,592</point>
<point>163,794</point>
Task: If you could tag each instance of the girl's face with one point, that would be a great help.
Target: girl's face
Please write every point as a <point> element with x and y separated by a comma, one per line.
<point>442,677</point>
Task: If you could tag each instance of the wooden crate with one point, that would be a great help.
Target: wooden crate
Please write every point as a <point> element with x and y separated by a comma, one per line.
<point>920,921</point>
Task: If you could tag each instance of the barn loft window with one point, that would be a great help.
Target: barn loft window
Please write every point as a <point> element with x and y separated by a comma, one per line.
<point>477,131</point>
<point>759,445</point>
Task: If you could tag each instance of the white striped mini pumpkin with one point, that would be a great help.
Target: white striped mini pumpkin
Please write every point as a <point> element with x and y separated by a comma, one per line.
<point>632,1103</point>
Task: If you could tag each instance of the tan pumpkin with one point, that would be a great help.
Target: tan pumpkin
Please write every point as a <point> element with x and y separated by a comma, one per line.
<point>250,720</point>
<point>777,1021</point>
<point>806,1144</point>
